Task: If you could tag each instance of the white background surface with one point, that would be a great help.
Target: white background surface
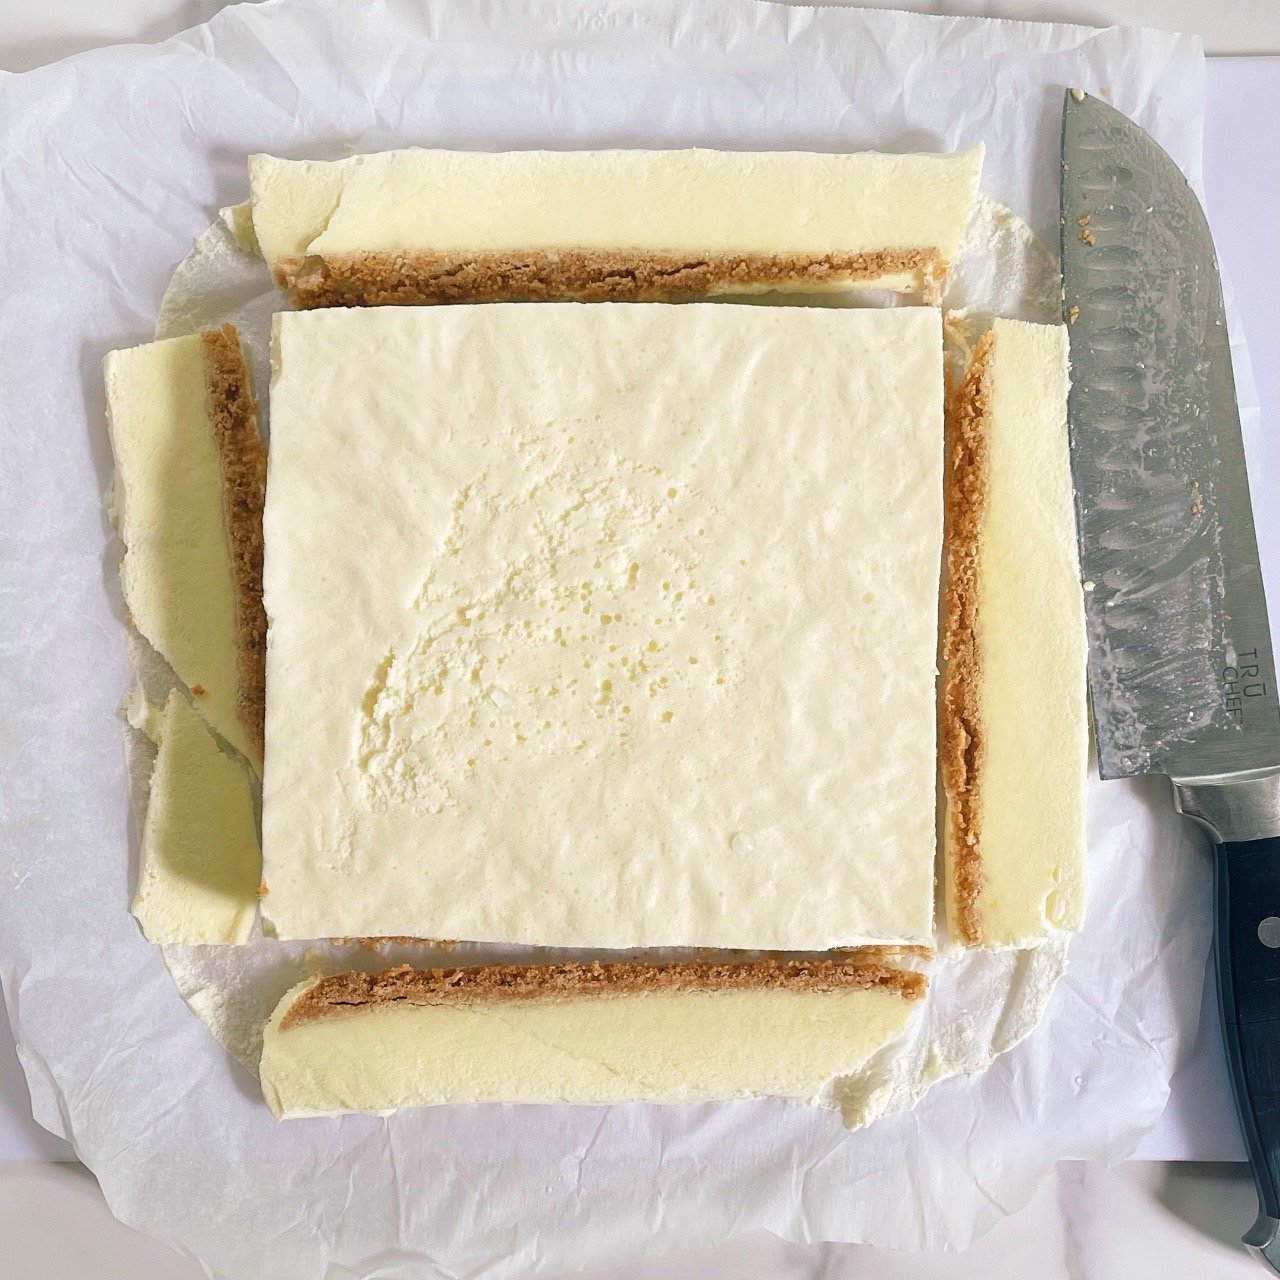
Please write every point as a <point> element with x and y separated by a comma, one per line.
<point>52,1221</point>
<point>32,34</point>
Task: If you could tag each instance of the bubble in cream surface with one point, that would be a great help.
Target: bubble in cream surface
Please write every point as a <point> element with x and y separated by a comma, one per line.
<point>564,599</point>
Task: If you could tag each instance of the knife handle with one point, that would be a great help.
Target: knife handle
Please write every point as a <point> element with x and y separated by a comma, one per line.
<point>1247,961</point>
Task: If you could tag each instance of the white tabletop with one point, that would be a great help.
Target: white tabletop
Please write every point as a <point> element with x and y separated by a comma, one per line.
<point>33,34</point>
<point>1242,175</point>
<point>1242,185</point>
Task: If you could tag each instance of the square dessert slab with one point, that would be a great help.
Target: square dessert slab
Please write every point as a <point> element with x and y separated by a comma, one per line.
<point>603,625</point>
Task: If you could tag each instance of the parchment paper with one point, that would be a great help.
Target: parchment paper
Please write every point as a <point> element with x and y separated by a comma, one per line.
<point>111,164</point>
<point>980,1003</point>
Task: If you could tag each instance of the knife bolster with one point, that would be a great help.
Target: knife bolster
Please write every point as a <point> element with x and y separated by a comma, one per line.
<point>1232,806</point>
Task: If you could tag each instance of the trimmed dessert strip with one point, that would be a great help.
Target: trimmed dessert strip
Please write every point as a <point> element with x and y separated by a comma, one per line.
<point>960,733</point>
<point>338,994</point>
<point>200,859</point>
<point>579,1033</point>
<point>189,480</point>
<point>429,226</point>
<point>1015,727</point>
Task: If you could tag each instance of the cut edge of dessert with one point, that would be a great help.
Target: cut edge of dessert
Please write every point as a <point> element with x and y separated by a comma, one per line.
<point>334,995</point>
<point>420,277</point>
<point>233,418</point>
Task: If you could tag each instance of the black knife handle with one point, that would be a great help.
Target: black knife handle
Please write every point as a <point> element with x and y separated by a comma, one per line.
<point>1247,959</point>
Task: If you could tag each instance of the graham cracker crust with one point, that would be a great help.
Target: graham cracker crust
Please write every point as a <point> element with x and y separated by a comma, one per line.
<point>233,416</point>
<point>577,980</point>
<point>960,733</point>
<point>375,279</point>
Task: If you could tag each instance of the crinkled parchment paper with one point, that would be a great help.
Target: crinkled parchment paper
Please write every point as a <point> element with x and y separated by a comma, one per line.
<point>111,164</point>
<point>979,1004</point>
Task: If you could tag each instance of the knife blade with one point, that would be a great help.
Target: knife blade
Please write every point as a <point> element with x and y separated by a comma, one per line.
<point>1181,673</point>
<point>1182,678</point>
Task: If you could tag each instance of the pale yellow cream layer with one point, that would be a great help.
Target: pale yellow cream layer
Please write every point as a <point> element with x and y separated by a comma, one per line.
<point>1032,652</point>
<point>200,860</point>
<point>672,202</point>
<point>143,714</point>
<point>604,625</point>
<point>238,219</point>
<point>176,572</point>
<point>658,1047</point>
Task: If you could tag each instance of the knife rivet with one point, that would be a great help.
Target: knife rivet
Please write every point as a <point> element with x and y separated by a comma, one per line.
<point>1269,932</point>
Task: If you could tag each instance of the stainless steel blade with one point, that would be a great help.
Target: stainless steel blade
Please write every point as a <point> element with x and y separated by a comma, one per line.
<point>1181,673</point>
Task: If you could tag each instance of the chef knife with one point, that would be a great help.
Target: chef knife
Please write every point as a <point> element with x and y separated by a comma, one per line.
<point>1181,675</point>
